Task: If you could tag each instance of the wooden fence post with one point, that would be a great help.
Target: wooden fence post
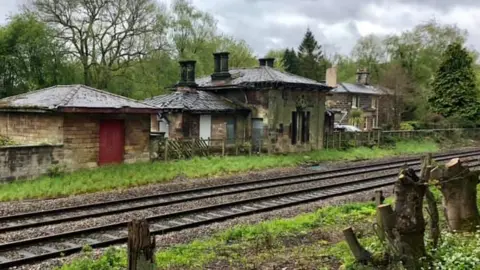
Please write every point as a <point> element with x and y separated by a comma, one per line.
<point>223,147</point>
<point>166,149</point>
<point>140,246</point>
<point>340,140</point>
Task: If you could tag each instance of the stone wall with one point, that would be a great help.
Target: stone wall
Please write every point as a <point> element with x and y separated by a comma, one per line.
<point>81,138</point>
<point>32,128</point>
<point>137,138</point>
<point>28,161</point>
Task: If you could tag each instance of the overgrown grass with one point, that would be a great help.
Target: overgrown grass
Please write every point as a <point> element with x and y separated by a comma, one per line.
<point>237,240</point>
<point>251,246</point>
<point>130,175</point>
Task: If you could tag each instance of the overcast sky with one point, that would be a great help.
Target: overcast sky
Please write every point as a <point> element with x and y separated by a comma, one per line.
<point>337,24</point>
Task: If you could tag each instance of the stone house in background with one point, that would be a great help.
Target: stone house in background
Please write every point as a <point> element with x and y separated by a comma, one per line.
<point>373,102</point>
<point>250,103</point>
<point>90,127</point>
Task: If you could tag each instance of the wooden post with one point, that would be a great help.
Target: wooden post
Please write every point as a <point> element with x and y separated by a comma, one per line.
<point>223,147</point>
<point>236,148</point>
<point>340,140</point>
<point>140,246</point>
<point>260,146</point>
<point>379,225</point>
<point>166,149</point>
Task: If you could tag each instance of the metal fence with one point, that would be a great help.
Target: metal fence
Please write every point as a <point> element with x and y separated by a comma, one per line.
<point>342,140</point>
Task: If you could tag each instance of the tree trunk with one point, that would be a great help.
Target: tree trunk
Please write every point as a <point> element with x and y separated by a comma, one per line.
<point>140,246</point>
<point>432,209</point>
<point>459,188</point>
<point>409,221</point>
<point>359,252</point>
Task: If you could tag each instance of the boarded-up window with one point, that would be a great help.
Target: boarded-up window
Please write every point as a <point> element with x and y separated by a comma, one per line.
<point>305,127</point>
<point>231,130</point>
<point>294,127</point>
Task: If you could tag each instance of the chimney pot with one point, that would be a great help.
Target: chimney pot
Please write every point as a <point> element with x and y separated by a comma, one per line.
<point>363,76</point>
<point>221,70</point>
<point>269,62</point>
<point>187,73</point>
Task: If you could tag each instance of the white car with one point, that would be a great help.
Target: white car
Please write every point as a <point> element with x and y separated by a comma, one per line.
<point>347,128</point>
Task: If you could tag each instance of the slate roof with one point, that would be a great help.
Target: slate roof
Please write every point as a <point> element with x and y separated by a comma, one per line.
<point>71,96</point>
<point>198,101</point>
<point>262,74</point>
<point>359,89</point>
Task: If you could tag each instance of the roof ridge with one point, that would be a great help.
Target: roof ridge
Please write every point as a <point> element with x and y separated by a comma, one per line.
<point>344,86</point>
<point>70,95</point>
<point>268,72</point>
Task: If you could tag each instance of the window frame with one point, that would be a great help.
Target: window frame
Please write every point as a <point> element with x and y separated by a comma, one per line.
<point>355,102</point>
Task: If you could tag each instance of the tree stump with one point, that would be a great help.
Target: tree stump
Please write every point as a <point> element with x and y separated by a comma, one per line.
<point>459,188</point>
<point>409,220</point>
<point>432,209</point>
<point>140,246</point>
<point>359,252</point>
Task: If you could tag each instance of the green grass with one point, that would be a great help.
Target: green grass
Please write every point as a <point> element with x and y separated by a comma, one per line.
<point>248,246</point>
<point>130,175</point>
<point>197,254</point>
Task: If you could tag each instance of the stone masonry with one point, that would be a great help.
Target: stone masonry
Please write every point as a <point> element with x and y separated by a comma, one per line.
<point>32,128</point>
<point>28,161</point>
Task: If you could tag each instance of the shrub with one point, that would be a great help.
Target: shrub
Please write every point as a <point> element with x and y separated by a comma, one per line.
<point>4,141</point>
<point>406,126</point>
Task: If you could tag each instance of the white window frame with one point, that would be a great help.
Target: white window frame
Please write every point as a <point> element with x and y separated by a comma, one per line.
<point>355,102</point>
<point>165,122</point>
<point>365,123</point>
<point>374,122</point>
<point>374,102</point>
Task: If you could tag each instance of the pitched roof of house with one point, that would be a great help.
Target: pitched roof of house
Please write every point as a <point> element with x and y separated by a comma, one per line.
<point>260,75</point>
<point>65,97</point>
<point>359,89</point>
<point>195,101</point>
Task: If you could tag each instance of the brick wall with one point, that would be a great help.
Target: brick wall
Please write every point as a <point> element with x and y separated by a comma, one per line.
<point>32,128</point>
<point>28,161</point>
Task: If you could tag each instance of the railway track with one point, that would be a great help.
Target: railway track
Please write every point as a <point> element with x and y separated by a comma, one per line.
<point>40,248</point>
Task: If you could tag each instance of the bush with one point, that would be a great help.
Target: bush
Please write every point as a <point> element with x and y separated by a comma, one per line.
<point>4,141</point>
<point>406,126</point>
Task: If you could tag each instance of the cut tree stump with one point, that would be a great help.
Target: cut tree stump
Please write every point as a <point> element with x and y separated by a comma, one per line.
<point>409,220</point>
<point>359,252</point>
<point>140,246</point>
<point>459,188</point>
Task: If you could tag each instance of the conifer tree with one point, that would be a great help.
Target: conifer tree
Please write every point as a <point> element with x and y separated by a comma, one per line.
<point>454,87</point>
<point>311,59</point>
<point>290,61</point>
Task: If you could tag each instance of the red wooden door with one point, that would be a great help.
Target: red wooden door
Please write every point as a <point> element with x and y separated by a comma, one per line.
<point>112,142</point>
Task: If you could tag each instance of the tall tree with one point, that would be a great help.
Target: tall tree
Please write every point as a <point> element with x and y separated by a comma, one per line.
<point>30,58</point>
<point>312,62</point>
<point>290,61</point>
<point>369,52</point>
<point>105,36</point>
<point>454,87</point>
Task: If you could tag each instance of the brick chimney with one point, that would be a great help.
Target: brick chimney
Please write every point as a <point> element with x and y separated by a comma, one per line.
<point>187,75</point>
<point>331,77</point>
<point>220,67</point>
<point>363,76</point>
<point>269,62</point>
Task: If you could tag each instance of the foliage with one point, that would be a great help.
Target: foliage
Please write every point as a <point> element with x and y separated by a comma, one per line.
<point>291,61</point>
<point>4,141</point>
<point>454,87</point>
<point>130,175</point>
<point>406,126</point>
<point>456,251</point>
<point>356,118</point>
<point>278,55</point>
<point>312,63</point>
<point>111,259</point>
<point>28,57</point>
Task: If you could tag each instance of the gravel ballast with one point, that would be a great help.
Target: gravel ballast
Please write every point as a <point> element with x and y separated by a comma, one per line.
<point>186,236</point>
<point>16,207</point>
